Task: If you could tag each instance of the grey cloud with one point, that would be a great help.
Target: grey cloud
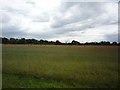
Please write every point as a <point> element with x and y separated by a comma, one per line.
<point>78,11</point>
<point>111,37</point>
<point>112,22</point>
<point>44,17</point>
<point>46,35</point>
<point>111,1</point>
<point>86,25</point>
<point>31,3</point>
<point>12,31</point>
<point>39,19</point>
<point>16,32</point>
<point>71,29</point>
<point>68,28</point>
<point>9,31</point>
<point>118,36</point>
<point>67,5</point>
<point>5,18</point>
<point>14,10</point>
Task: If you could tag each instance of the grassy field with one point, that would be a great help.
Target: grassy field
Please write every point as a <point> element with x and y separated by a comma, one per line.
<point>49,66</point>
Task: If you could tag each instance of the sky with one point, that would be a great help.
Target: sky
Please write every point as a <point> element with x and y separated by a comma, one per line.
<point>63,20</point>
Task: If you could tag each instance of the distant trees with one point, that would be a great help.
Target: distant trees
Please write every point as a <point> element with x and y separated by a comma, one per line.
<point>114,43</point>
<point>75,42</point>
<point>105,43</point>
<point>57,42</point>
<point>5,40</point>
<point>12,41</point>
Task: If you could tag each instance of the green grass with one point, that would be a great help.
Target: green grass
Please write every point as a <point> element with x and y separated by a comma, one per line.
<point>59,66</point>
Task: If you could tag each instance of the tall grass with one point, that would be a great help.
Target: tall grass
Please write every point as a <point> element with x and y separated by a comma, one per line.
<point>71,66</point>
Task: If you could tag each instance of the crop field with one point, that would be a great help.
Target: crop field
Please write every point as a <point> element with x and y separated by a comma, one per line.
<point>57,66</point>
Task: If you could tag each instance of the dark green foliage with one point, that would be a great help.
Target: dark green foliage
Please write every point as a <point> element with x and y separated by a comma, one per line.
<point>5,40</point>
<point>57,42</point>
<point>75,42</point>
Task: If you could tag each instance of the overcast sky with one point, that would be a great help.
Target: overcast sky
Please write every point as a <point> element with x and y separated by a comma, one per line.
<point>58,20</point>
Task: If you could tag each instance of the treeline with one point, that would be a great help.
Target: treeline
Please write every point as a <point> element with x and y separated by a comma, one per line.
<point>45,42</point>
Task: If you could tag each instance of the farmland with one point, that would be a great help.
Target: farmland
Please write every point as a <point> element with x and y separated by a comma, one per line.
<point>59,66</point>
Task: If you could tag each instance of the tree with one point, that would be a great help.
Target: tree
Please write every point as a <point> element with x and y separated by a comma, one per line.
<point>5,40</point>
<point>58,42</point>
<point>0,40</point>
<point>12,41</point>
<point>75,42</point>
<point>22,41</point>
<point>105,43</point>
<point>114,43</point>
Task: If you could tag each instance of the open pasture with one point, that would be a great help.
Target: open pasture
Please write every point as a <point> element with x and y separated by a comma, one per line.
<point>57,66</point>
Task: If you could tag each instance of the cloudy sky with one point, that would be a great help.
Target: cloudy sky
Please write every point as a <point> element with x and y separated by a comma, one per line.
<point>58,20</point>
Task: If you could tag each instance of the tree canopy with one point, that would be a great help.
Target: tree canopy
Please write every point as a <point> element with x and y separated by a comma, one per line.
<point>5,40</point>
